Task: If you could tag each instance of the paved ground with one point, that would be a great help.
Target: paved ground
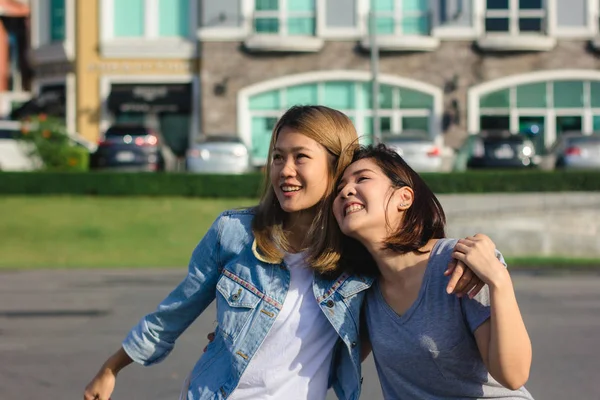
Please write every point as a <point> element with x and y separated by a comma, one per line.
<point>56,327</point>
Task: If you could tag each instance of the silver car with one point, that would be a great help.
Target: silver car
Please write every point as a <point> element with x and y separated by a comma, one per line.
<point>576,150</point>
<point>221,154</point>
<point>418,149</point>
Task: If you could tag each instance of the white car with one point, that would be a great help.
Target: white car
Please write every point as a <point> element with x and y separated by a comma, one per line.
<point>16,155</point>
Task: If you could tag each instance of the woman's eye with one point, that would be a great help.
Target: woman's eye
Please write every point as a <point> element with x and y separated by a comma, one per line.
<point>276,156</point>
<point>362,178</point>
<point>302,156</point>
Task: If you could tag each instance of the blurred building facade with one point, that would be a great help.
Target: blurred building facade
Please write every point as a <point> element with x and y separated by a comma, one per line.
<point>15,73</point>
<point>452,67</point>
<point>120,61</point>
<point>203,67</point>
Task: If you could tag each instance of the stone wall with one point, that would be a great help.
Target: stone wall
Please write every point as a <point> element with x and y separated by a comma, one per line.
<point>227,62</point>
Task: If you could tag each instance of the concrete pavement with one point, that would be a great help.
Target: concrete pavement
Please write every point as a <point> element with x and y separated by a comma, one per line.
<point>56,328</point>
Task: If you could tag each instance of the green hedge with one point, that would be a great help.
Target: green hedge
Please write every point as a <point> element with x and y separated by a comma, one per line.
<point>236,186</point>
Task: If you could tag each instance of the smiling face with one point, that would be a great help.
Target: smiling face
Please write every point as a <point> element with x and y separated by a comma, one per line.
<point>367,206</point>
<point>299,171</point>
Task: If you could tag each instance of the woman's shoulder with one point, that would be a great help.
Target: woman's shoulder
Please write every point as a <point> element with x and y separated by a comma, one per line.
<point>235,220</point>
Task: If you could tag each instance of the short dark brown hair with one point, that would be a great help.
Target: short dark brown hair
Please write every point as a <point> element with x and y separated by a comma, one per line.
<point>424,219</point>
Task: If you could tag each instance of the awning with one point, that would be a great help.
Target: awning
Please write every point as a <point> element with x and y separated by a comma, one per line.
<point>144,98</point>
<point>50,101</point>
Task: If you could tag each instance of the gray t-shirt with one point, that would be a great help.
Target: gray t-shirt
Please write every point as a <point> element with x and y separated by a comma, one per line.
<point>430,352</point>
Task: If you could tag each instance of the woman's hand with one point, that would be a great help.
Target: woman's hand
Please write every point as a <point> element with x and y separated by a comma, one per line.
<point>479,254</point>
<point>101,387</point>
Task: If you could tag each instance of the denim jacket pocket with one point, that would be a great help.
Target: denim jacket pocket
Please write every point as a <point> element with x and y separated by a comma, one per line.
<point>235,306</point>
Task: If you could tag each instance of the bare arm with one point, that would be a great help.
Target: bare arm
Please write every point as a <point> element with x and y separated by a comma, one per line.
<point>503,340</point>
<point>103,384</point>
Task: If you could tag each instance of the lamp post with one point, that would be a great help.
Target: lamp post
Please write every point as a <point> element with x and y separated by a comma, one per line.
<point>374,78</point>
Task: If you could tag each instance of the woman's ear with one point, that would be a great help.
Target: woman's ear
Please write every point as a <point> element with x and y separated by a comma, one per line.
<point>404,198</point>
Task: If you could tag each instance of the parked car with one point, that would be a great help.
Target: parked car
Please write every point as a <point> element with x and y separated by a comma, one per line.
<point>219,154</point>
<point>15,155</point>
<point>418,149</point>
<point>576,150</point>
<point>129,147</point>
<point>501,150</point>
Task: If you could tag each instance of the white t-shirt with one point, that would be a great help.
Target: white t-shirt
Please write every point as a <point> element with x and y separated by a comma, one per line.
<point>294,360</point>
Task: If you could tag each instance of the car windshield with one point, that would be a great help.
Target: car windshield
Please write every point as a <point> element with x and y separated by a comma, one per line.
<point>220,139</point>
<point>583,140</point>
<point>119,131</point>
<point>407,137</point>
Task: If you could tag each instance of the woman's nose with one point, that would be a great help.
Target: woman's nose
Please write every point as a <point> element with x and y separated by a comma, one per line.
<point>288,169</point>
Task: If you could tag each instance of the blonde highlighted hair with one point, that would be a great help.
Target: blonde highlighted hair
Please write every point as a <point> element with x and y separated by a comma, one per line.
<point>336,133</point>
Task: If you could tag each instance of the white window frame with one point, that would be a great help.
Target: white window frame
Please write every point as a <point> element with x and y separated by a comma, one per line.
<point>282,15</point>
<point>513,13</point>
<point>571,32</point>
<point>435,122</point>
<point>361,8</point>
<point>42,49</point>
<point>550,113</point>
<point>446,32</point>
<point>398,15</point>
<point>151,45</point>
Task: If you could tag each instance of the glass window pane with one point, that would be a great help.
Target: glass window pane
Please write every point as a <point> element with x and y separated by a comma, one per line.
<point>382,5</point>
<point>301,26</point>
<point>414,99</point>
<point>302,94</point>
<point>386,94</point>
<point>415,124</point>
<point>366,137</point>
<point>301,5</point>
<point>176,131</point>
<point>567,124</point>
<point>499,99</point>
<point>595,94</point>
<point>415,25</point>
<point>415,5</point>
<point>531,95</point>
<point>596,123</point>
<point>262,128</point>
<point>497,25</point>
<point>265,101</point>
<point>384,26</point>
<point>494,123</point>
<point>533,128</point>
<point>530,24</point>
<point>568,94</point>
<point>267,5</point>
<point>266,25</point>
<point>339,95</point>
<point>530,4</point>
<point>497,4</point>
<point>57,20</point>
<point>129,18</point>
<point>173,18</point>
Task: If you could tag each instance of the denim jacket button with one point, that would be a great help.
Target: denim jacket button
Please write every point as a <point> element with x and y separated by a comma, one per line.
<point>353,344</point>
<point>329,303</point>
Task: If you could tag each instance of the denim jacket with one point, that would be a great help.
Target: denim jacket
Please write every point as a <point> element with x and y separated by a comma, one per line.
<point>249,293</point>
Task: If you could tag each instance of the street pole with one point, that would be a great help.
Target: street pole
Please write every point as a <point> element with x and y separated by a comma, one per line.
<point>374,78</point>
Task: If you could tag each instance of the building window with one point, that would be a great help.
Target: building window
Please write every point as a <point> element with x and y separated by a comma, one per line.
<point>400,109</point>
<point>150,19</point>
<point>57,20</point>
<point>515,17</point>
<point>542,110</point>
<point>285,17</point>
<point>401,17</point>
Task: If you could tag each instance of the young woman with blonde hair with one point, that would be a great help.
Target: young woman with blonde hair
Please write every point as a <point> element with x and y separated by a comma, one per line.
<point>287,315</point>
